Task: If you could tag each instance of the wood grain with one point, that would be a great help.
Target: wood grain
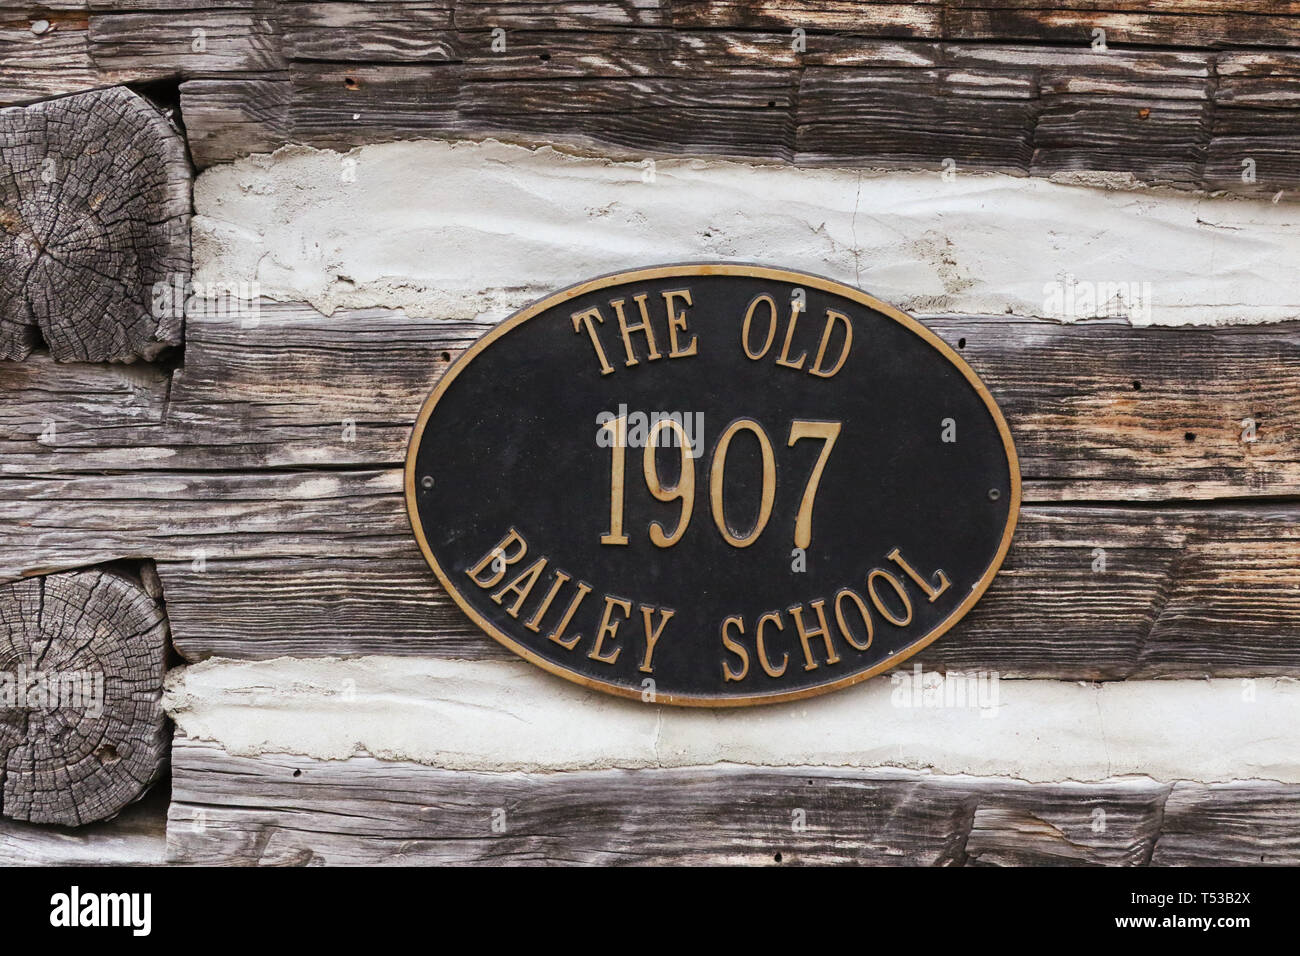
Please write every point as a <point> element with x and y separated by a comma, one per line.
<point>264,477</point>
<point>285,810</point>
<point>288,810</point>
<point>320,563</point>
<point>94,211</point>
<point>1169,95</point>
<point>1100,411</point>
<point>135,837</point>
<point>82,730</point>
<point>1243,824</point>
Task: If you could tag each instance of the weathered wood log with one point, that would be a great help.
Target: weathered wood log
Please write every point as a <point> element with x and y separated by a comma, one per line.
<point>1157,594</point>
<point>258,563</point>
<point>320,563</point>
<point>135,837</point>
<point>94,213</point>
<point>1112,87</point>
<point>1100,411</point>
<point>44,54</point>
<point>82,730</point>
<point>287,810</point>
<point>234,118</point>
<point>130,47</point>
<point>1241,824</point>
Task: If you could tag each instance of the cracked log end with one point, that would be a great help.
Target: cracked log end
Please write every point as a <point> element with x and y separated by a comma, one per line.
<point>94,212</point>
<point>82,729</point>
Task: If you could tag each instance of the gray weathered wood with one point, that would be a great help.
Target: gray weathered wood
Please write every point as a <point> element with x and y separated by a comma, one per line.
<point>82,730</point>
<point>1100,411</point>
<point>319,563</point>
<point>134,46</point>
<point>1176,97</point>
<point>94,211</point>
<point>264,477</point>
<point>352,32</point>
<point>226,119</point>
<point>1182,594</point>
<point>289,810</point>
<point>44,54</point>
<point>1250,823</point>
<point>135,837</point>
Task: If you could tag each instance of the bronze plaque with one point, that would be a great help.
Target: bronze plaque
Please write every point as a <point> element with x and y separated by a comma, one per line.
<point>712,484</point>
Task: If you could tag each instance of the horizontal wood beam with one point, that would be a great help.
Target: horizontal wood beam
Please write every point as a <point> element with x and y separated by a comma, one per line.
<point>264,478</point>
<point>278,809</point>
<point>1100,411</point>
<point>1203,99</point>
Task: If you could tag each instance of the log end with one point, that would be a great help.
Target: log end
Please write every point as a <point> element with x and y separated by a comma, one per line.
<point>94,228</point>
<point>82,728</point>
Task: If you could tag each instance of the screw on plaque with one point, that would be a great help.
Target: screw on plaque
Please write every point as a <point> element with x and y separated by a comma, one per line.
<point>426,482</point>
<point>994,494</point>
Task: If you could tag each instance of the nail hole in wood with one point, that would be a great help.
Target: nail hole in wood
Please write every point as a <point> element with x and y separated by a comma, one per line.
<point>1137,386</point>
<point>350,83</point>
<point>1189,436</point>
<point>961,343</point>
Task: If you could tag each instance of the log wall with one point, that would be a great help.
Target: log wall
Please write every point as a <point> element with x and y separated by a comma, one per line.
<point>223,490</point>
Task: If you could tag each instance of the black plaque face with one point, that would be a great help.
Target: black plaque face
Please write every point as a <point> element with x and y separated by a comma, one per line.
<point>712,484</point>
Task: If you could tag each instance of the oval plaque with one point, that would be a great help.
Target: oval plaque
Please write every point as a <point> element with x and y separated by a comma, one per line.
<point>712,484</point>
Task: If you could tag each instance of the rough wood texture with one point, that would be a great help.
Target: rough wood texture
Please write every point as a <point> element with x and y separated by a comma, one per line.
<point>82,730</point>
<point>1206,98</point>
<point>1245,824</point>
<point>287,810</point>
<point>1100,411</point>
<point>264,477</point>
<point>94,211</point>
<point>135,837</point>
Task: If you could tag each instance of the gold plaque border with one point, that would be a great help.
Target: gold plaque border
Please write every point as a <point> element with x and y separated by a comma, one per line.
<point>708,269</point>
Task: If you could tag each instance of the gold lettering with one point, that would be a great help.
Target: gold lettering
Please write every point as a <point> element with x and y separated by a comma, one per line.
<point>652,636</point>
<point>771,326</point>
<point>609,628</point>
<point>585,318</point>
<point>789,335</point>
<point>643,327</point>
<point>775,617</point>
<point>930,590</point>
<point>831,318</point>
<point>897,585</point>
<point>821,631</point>
<point>498,552</point>
<point>677,323</point>
<point>736,648</point>
<point>533,622</point>
<point>862,609</point>
<point>557,634</point>
<point>521,585</point>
